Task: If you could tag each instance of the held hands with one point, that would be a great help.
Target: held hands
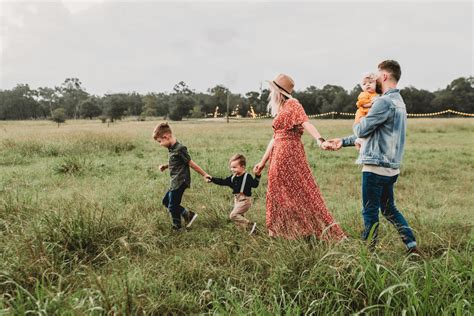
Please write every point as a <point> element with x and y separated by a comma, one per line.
<point>258,168</point>
<point>326,145</point>
<point>332,144</point>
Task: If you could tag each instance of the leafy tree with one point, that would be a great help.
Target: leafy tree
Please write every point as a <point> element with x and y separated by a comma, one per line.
<point>181,105</point>
<point>350,106</point>
<point>115,106</point>
<point>48,99</point>
<point>134,104</point>
<point>417,101</point>
<point>59,116</point>
<point>72,93</point>
<point>164,101</point>
<point>19,104</point>
<point>182,88</point>
<point>458,95</point>
<point>182,102</point>
<point>197,111</point>
<point>90,108</point>
<point>310,99</point>
<point>219,97</point>
<point>263,106</point>
<point>254,100</point>
<point>237,101</point>
<point>150,105</point>
<point>205,102</point>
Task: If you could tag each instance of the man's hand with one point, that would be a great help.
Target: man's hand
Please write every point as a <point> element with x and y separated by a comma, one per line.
<point>326,145</point>
<point>207,178</point>
<point>163,167</point>
<point>336,143</point>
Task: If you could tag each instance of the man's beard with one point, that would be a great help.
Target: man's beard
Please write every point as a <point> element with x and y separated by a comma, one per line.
<point>378,87</point>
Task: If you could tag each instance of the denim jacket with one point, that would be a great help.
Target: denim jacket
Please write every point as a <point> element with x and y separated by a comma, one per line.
<point>384,131</point>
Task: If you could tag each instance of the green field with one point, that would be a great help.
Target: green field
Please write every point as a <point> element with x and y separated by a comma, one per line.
<point>82,229</point>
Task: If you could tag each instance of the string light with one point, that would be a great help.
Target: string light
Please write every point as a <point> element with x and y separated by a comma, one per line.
<point>260,116</point>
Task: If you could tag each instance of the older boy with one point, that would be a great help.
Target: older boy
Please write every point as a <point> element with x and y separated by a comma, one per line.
<point>179,163</point>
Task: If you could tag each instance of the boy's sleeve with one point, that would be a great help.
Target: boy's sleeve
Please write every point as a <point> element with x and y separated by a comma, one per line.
<point>225,182</point>
<point>184,155</point>
<point>255,181</point>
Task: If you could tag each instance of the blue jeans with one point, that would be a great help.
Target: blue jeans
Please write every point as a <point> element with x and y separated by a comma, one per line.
<point>377,193</point>
<point>172,201</point>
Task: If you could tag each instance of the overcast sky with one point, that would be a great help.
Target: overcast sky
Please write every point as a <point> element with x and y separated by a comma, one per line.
<point>145,46</point>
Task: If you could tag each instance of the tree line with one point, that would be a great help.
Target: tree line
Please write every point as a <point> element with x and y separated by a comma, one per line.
<point>70,100</point>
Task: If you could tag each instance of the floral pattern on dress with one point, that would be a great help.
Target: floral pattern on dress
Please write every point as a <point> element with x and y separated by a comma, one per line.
<point>295,206</point>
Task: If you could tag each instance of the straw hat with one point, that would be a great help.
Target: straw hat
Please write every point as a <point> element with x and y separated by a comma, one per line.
<point>284,84</point>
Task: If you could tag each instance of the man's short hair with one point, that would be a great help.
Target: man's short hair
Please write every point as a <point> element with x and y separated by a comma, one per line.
<point>161,130</point>
<point>392,67</point>
<point>240,158</point>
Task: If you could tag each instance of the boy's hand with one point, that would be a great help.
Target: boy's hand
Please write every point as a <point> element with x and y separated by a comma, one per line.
<point>208,178</point>
<point>163,167</point>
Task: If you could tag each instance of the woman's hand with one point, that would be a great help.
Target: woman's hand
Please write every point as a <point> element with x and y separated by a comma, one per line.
<point>259,167</point>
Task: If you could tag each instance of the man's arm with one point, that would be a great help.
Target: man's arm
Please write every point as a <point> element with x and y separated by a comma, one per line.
<point>338,143</point>
<point>377,115</point>
<point>348,141</point>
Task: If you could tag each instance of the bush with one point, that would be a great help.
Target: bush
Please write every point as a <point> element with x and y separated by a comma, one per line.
<point>59,116</point>
<point>103,118</point>
<point>71,166</point>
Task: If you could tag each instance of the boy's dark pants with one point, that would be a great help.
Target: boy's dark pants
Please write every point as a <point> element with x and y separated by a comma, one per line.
<point>172,201</point>
<point>377,194</point>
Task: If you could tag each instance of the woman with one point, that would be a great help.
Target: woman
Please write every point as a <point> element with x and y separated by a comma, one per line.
<point>295,207</point>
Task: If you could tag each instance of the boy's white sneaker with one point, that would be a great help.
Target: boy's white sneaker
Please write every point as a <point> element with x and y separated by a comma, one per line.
<point>192,217</point>
<point>252,231</point>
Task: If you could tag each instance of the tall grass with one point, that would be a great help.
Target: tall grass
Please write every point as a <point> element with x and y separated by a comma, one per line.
<point>83,231</point>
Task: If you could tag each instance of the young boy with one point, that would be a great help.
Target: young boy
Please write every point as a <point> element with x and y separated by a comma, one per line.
<point>241,183</point>
<point>179,163</point>
<point>365,100</point>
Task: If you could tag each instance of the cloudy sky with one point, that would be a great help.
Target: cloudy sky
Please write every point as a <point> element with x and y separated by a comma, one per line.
<point>121,46</point>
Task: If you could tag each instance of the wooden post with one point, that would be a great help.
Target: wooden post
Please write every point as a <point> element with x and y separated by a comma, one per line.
<point>228,99</point>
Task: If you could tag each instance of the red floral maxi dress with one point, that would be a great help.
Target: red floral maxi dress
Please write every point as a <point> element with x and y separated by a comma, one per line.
<point>295,207</point>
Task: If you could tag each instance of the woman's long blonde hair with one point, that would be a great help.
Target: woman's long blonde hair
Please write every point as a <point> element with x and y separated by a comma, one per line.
<point>275,100</point>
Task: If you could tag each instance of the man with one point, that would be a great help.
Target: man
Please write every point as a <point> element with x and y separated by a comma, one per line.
<point>384,129</point>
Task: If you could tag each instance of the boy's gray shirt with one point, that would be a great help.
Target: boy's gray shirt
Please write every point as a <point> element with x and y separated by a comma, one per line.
<point>178,165</point>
